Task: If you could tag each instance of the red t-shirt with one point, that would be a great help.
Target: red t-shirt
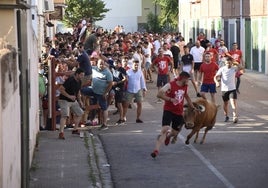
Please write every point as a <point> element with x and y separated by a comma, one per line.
<point>236,54</point>
<point>209,70</point>
<point>214,53</point>
<point>177,92</point>
<point>162,64</point>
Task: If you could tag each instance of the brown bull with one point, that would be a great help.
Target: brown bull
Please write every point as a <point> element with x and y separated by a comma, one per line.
<point>203,116</point>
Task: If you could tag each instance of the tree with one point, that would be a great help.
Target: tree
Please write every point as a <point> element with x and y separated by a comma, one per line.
<point>153,23</point>
<point>169,13</point>
<point>84,9</point>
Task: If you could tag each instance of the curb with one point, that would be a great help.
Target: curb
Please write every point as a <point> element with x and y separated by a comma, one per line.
<point>99,168</point>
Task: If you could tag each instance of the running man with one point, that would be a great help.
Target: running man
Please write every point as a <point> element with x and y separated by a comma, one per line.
<point>173,93</point>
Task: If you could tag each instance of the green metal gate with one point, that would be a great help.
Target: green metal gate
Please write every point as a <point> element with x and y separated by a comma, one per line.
<point>248,43</point>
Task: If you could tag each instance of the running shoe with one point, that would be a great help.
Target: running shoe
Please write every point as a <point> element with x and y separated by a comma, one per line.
<point>167,140</point>
<point>103,127</point>
<point>154,154</point>
<point>139,121</point>
<point>119,122</point>
<point>235,119</point>
<point>61,136</point>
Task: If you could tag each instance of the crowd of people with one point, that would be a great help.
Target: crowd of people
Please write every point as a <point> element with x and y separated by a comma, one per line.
<point>100,67</point>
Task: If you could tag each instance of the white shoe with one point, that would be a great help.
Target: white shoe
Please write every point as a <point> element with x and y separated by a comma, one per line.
<point>235,119</point>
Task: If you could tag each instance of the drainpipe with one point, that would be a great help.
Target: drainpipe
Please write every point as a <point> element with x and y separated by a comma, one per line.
<point>242,31</point>
<point>24,97</point>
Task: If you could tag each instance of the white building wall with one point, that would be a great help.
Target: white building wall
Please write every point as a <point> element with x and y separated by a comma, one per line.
<point>33,54</point>
<point>10,122</point>
<point>122,12</point>
<point>11,142</point>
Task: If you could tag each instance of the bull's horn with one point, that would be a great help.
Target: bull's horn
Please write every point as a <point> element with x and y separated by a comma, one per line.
<point>201,108</point>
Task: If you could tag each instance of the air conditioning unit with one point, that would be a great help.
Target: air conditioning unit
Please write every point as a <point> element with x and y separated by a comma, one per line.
<point>48,6</point>
<point>195,1</point>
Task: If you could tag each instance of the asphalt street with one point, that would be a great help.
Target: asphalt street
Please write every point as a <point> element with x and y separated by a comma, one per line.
<point>233,155</point>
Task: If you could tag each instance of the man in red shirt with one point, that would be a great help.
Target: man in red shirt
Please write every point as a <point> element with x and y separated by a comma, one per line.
<point>162,62</point>
<point>173,93</point>
<point>237,56</point>
<point>208,70</point>
<point>213,52</point>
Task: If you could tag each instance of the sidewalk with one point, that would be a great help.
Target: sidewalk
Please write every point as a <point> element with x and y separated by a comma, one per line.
<point>73,162</point>
<point>256,78</point>
<point>81,162</point>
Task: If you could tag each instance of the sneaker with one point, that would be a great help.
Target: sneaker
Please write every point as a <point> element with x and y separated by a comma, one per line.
<point>167,140</point>
<point>61,136</point>
<point>103,127</point>
<point>235,120</point>
<point>139,121</point>
<point>226,119</point>
<point>119,122</point>
<point>69,126</point>
<point>198,94</point>
<point>75,132</point>
<point>89,123</point>
<point>174,140</point>
<point>154,154</point>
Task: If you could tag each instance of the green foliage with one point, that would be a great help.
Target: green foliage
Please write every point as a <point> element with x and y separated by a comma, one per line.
<point>153,23</point>
<point>93,10</point>
<point>169,13</point>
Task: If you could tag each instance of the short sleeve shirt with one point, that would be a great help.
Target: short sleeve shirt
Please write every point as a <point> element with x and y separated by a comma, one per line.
<point>177,92</point>
<point>100,79</point>
<point>72,87</point>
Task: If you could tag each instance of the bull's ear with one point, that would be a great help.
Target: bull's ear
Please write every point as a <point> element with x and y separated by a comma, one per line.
<point>201,108</point>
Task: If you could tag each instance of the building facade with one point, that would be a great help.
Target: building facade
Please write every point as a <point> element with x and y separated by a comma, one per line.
<point>241,21</point>
<point>132,15</point>
<point>19,104</point>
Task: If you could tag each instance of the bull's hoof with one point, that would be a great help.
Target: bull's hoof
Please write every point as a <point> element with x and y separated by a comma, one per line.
<point>202,142</point>
<point>187,142</point>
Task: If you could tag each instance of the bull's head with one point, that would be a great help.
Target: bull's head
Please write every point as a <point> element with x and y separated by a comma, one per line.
<point>191,113</point>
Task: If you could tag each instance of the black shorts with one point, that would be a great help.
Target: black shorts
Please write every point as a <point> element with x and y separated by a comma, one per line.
<point>176,120</point>
<point>226,95</point>
<point>119,96</point>
<point>175,63</point>
<point>162,80</point>
<point>197,66</point>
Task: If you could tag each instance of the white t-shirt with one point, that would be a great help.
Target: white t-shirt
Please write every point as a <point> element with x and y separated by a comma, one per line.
<point>168,53</point>
<point>147,51</point>
<point>222,51</point>
<point>197,54</point>
<point>227,78</point>
<point>156,45</point>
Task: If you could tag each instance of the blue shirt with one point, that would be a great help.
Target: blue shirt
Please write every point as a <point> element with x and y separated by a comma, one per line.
<point>84,63</point>
<point>136,81</point>
<point>100,79</point>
